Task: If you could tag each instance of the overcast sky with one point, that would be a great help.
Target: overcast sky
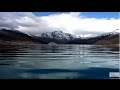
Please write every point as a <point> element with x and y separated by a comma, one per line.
<point>78,23</point>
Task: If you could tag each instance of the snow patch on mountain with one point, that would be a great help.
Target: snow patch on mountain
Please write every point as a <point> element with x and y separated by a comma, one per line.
<point>57,35</point>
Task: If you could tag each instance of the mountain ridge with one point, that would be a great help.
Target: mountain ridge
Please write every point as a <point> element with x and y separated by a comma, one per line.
<point>59,37</point>
<point>10,36</point>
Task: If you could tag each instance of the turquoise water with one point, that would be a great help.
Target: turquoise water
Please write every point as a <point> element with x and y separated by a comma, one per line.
<point>58,62</point>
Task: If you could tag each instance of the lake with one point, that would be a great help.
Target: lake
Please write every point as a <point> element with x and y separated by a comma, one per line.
<point>61,61</point>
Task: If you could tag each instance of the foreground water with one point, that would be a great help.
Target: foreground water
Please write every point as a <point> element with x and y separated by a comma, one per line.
<point>58,62</point>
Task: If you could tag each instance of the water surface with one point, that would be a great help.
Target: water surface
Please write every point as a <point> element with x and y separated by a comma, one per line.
<point>58,61</point>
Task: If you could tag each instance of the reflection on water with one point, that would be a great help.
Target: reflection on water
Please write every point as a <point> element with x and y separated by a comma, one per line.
<point>58,62</point>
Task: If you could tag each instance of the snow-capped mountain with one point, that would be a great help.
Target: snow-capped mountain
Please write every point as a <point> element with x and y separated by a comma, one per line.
<point>59,35</point>
<point>115,32</point>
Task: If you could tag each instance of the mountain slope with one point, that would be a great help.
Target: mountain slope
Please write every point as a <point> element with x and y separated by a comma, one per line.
<point>104,39</point>
<point>56,36</point>
<point>109,40</point>
<point>12,36</point>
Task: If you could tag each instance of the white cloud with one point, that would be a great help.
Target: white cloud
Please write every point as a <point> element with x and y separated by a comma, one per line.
<point>76,24</point>
<point>26,21</point>
<point>73,22</point>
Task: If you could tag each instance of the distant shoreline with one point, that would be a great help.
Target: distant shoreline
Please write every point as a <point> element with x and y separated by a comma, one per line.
<point>34,43</point>
<point>15,42</point>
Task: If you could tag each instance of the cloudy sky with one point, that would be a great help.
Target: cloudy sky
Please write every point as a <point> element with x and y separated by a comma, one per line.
<point>78,23</point>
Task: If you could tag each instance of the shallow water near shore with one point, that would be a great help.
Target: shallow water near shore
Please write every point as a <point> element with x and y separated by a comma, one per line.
<point>42,61</point>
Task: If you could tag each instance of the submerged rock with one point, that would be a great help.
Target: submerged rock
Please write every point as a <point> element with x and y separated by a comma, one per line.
<point>52,43</point>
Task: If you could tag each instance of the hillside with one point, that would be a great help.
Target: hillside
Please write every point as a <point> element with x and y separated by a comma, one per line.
<point>113,40</point>
<point>58,37</point>
<point>16,37</point>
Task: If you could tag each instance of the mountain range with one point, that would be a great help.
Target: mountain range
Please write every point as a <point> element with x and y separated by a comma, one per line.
<point>15,36</point>
<point>56,36</point>
<point>8,36</point>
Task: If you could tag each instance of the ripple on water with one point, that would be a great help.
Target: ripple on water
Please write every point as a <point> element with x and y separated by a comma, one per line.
<point>60,57</point>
